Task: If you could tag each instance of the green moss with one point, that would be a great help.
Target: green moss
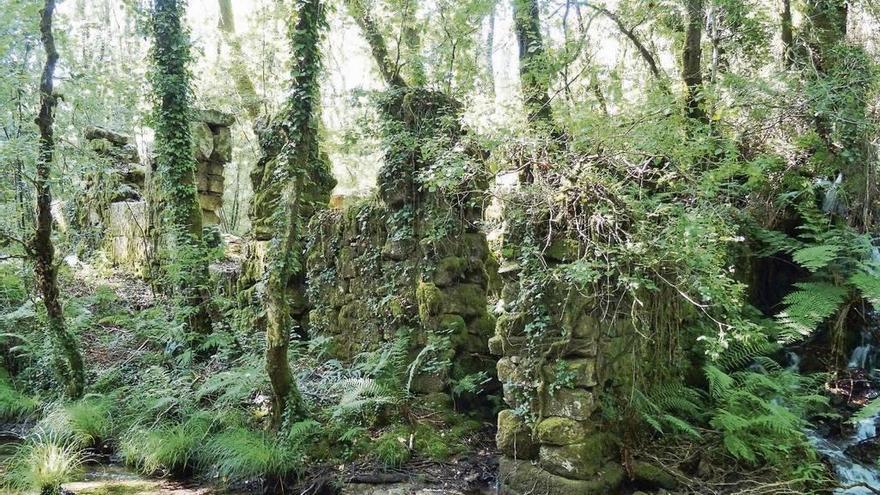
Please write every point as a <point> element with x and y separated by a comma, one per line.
<point>430,300</point>
<point>560,431</point>
<point>391,448</point>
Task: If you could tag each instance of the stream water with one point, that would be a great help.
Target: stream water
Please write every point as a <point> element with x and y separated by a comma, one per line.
<point>856,477</point>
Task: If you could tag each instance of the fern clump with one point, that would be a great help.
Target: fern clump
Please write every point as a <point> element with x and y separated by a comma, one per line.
<point>13,404</point>
<point>761,415</point>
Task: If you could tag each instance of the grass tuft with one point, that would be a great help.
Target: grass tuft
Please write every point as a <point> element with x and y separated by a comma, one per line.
<point>42,464</point>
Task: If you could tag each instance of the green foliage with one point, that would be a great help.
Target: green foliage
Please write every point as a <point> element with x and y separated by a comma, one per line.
<point>241,453</point>
<point>392,449</point>
<point>13,404</point>
<point>760,415</point>
<point>84,423</point>
<point>169,447</point>
<point>42,464</point>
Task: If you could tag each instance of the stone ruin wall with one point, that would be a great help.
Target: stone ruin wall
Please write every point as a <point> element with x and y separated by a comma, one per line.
<point>561,356</point>
<point>374,273</point>
<point>116,198</point>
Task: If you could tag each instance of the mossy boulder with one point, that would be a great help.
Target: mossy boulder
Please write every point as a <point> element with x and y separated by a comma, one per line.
<point>583,460</point>
<point>465,300</point>
<point>561,431</point>
<point>430,300</point>
<point>652,476</point>
<point>519,477</point>
<point>450,270</point>
<point>514,437</point>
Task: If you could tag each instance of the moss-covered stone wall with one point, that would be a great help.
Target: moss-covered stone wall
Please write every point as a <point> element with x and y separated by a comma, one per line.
<point>558,351</point>
<point>409,262</point>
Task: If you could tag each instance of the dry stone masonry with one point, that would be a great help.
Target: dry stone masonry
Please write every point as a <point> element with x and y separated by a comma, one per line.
<point>554,346</point>
<point>114,208</point>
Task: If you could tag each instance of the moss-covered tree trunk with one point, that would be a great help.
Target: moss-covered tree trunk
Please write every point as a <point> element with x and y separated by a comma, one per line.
<point>533,70</point>
<point>297,136</point>
<point>841,74</point>
<point>66,356</point>
<point>176,165</point>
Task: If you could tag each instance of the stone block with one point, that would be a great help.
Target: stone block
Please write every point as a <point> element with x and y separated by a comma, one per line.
<point>561,431</point>
<point>520,477</point>
<point>581,372</point>
<point>203,140</point>
<point>514,437</point>
<point>575,404</point>
<point>581,461</point>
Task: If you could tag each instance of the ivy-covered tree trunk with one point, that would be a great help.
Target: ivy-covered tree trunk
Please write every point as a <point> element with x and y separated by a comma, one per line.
<point>66,357</point>
<point>691,62</point>
<point>176,164</point>
<point>533,70</point>
<point>297,135</point>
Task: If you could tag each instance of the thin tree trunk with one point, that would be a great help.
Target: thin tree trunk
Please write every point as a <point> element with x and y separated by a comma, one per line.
<point>787,35</point>
<point>490,51</point>
<point>692,62</point>
<point>643,50</point>
<point>238,69</point>
<point>379,49</point>
<point>176,164</point>
<point>67,359</point>
<point>299,155</point>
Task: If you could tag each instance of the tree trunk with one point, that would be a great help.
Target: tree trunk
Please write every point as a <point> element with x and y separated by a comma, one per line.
<point>176,164</point>
<point>490,51</point>
<point>299,155</point>
<point>379,49</point>
<point>787,36</point>
<point>691,66</point>
<point>66,357</point>
<point>533,70</point>
<point>238,69</point>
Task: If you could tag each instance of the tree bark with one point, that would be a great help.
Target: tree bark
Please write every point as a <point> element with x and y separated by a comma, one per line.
<point>787,35</point>
<point>251,102</point>
<point>175,162</point>
<point>67,359</point>
<point>387,68</point>
<point>490,52</point>
<point>631,35</point>
<point>299,155</point>
<point>691,66</point>
<point>533,71</point>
